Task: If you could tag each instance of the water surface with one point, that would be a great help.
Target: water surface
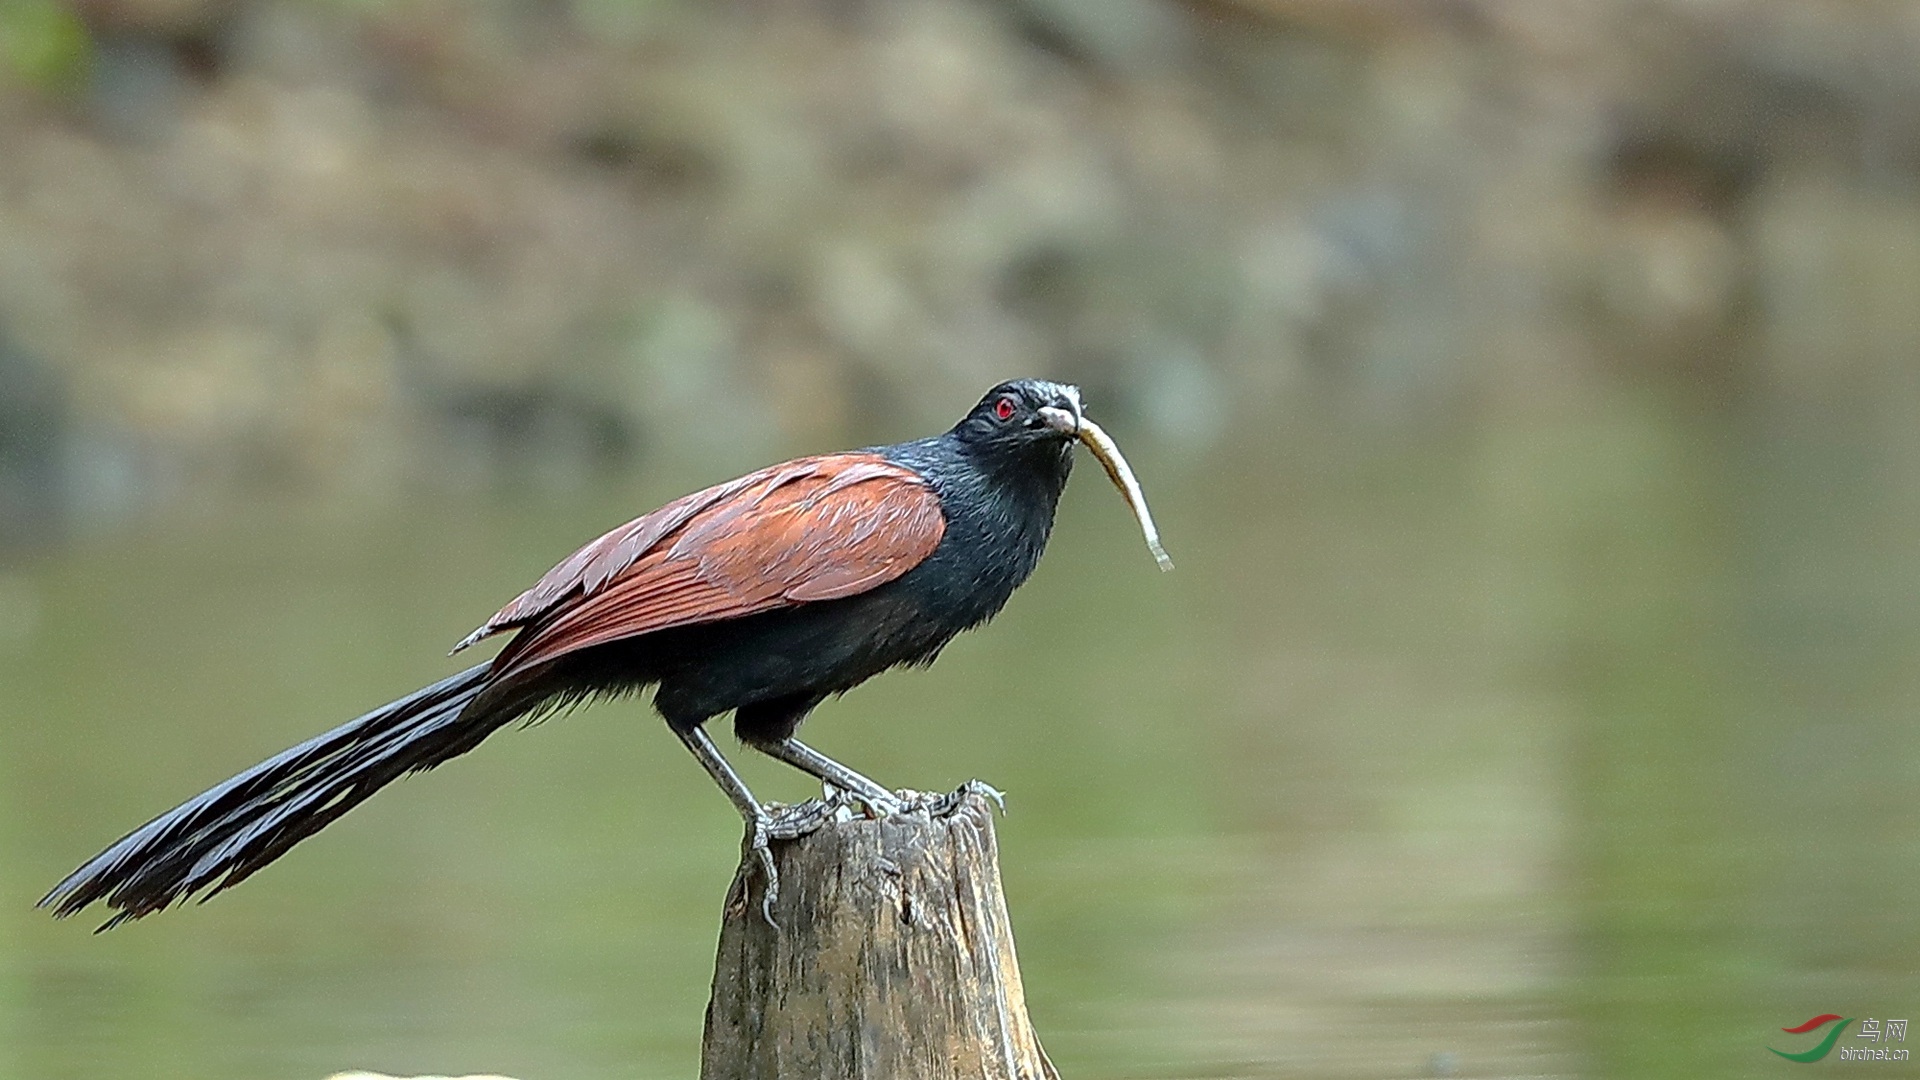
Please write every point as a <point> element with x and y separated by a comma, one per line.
<point>1527,749</point>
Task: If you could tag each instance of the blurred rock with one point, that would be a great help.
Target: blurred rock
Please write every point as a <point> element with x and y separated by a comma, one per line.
<point>1123,35</point>
<point>364,245</point>
<point>147,57</point>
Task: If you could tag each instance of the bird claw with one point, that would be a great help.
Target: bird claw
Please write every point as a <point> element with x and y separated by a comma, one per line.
<point>777,821</point>
<point>985,791</point>
<point>756,849</point>
<point>946,802</point>
<point>873,806</point>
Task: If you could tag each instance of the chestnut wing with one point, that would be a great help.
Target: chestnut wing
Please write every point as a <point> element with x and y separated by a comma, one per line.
<point>810,530</point>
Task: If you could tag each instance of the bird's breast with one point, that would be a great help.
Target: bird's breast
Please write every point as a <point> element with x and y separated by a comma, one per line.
<point>980,561</point>
<point>998,517</point>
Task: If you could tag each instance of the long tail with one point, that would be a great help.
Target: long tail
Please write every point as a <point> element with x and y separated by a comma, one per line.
<point>218,838</point>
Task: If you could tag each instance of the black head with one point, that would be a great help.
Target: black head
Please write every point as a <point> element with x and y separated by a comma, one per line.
<point>1020,438</point>
<point>1023,419</point>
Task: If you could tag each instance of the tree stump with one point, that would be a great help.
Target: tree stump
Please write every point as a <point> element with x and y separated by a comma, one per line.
<point>893,958</point>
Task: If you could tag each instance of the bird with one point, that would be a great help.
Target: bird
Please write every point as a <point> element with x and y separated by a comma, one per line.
<point>760,597</point>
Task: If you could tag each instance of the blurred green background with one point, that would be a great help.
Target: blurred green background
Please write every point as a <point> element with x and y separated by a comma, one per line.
<point>1528,390</point>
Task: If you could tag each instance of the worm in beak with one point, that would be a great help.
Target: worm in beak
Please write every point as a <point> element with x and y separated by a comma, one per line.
<point>1103,448</point>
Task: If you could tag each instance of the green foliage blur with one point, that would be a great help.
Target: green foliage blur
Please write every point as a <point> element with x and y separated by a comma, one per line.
<point>44,44</point>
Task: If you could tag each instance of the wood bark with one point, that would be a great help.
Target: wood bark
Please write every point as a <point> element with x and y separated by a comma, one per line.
<point>892,958</point>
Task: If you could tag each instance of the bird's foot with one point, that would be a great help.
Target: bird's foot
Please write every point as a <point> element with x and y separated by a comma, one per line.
<point>985,791</point>
<point>779,821</point>
<point>756,855</point>
<point>878,806</point>
<point>795,821</point>
<point>943,803</point>
<point>874,805</point>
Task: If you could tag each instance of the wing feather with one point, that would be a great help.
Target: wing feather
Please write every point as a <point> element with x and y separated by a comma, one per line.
<point>815,529</point>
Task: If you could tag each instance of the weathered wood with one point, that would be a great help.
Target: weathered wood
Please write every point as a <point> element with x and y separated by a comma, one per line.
<point>893,958</point>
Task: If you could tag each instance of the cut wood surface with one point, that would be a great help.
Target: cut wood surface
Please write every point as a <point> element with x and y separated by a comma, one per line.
<point>892,958</point>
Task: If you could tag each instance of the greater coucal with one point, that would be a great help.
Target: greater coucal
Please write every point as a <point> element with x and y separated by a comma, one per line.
<point>760,596</point>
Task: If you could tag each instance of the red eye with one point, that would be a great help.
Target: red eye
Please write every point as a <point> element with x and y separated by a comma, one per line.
<point>1004,408</point>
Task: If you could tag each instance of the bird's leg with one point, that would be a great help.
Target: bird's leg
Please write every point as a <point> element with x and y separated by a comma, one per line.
<point>880,802</point>
<point>759,824</point>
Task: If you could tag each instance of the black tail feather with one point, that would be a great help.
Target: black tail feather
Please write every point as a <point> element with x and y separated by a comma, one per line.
<point>218,838</point>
